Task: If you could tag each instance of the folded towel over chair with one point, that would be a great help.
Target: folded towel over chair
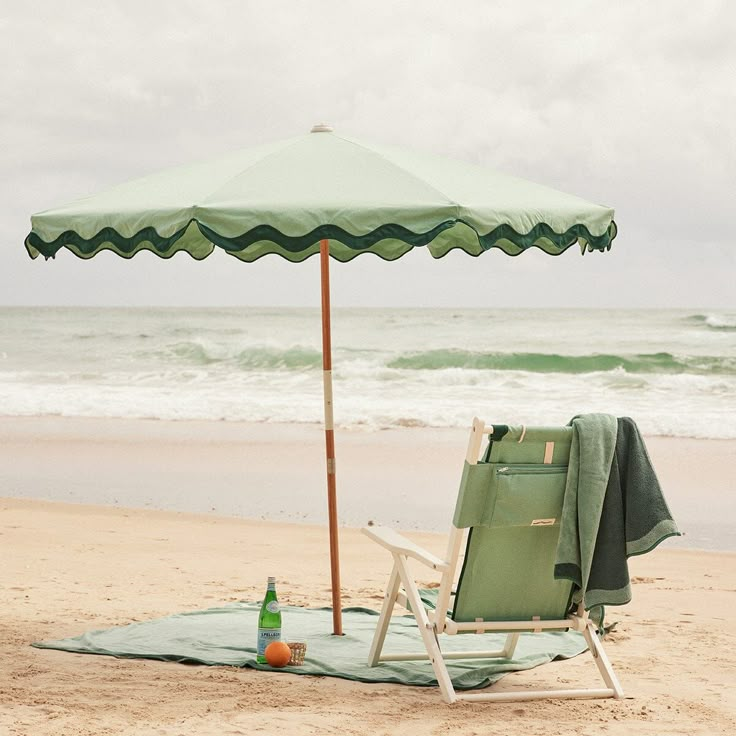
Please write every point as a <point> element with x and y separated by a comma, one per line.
<point>613,509</point>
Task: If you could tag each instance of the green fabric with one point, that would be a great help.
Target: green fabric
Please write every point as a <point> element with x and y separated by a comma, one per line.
<point>591,455</point>
<point>508,569</point>
<point>507,575</point>
<point>502,494</point>
<point>476,498</point>
<point>615,509</point>
<point>284,197</point>
<point>522,444</point>
<point>429,597</point>
<point>227,636</point>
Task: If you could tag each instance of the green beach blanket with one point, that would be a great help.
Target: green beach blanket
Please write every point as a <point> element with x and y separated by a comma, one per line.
<point>613,509</point>
<point>227,636</point>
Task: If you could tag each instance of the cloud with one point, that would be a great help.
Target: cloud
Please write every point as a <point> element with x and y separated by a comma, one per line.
<point>628,104</point>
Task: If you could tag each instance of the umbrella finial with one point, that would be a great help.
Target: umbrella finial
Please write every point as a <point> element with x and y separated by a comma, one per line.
<point>321,128</point>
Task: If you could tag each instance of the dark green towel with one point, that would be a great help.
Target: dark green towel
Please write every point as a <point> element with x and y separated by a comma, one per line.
<point>605,522</point>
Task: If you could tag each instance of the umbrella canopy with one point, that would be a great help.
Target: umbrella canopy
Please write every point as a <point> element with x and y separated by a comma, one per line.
<point>286,197</point>
<point>328,194</point>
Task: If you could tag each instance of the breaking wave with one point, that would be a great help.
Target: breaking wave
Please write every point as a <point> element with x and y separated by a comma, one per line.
<point>554,363</point>
<point>714,321</point>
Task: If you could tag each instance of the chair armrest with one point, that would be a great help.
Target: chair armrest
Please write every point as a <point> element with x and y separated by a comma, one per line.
<point>396,543</point>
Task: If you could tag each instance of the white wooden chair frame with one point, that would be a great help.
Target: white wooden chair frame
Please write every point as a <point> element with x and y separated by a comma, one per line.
<point>431,623</point>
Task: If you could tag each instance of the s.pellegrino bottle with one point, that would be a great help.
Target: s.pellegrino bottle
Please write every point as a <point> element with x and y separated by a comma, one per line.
<point>269,621</point>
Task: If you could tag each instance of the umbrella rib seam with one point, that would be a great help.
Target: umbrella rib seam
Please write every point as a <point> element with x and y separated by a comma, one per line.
<point>449,199</point>
<point>242,171</point>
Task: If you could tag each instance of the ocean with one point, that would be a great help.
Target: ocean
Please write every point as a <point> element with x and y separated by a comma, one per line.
<point>674,371</point>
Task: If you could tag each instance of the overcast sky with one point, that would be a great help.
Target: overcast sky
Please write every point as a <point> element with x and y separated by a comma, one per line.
<point>628,104</point>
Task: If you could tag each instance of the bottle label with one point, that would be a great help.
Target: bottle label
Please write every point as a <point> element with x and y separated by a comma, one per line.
<point>265,637</point>
<point>273,607</point>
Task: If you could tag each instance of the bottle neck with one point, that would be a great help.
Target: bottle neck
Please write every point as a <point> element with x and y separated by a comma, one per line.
<point>271,584</point>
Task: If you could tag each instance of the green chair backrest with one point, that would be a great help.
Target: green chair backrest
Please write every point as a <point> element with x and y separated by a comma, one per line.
<point>511,501</point>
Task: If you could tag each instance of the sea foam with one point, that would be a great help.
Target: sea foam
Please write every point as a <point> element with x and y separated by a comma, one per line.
<point>674,372</point>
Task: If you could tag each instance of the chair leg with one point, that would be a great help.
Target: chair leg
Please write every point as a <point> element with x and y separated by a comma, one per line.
<point>601,660</point>
<point>384,619</point>
<point>427,631</point>
<point>510,646</point>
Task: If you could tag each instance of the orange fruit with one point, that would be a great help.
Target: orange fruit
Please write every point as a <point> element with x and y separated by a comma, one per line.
<point>278,653</point>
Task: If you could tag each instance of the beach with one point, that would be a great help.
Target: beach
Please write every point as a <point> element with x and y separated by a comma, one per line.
<point>107,522</point>
<point>229,227</point>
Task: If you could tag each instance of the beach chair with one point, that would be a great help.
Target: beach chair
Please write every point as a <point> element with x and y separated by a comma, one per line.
<point>508,508</point>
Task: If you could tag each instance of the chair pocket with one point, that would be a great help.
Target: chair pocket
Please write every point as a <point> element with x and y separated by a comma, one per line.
<point>528,495</point>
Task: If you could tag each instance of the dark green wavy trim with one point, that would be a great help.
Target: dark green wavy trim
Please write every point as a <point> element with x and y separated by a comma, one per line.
<point>149,239</point>
<point>544,231</point>
<point>298,243</point>
<point>127,247</point>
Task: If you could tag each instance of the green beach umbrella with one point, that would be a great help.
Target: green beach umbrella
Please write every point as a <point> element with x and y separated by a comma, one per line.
<point>328,194</point>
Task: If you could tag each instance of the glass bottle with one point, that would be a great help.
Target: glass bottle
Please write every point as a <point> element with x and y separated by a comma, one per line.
<point>269,621</point>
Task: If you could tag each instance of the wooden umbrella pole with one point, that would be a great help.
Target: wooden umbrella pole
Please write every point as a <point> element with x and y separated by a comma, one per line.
<point>324,253</point>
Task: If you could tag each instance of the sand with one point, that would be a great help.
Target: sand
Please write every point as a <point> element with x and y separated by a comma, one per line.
<point>71,567</point>
<point>276,472</point>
